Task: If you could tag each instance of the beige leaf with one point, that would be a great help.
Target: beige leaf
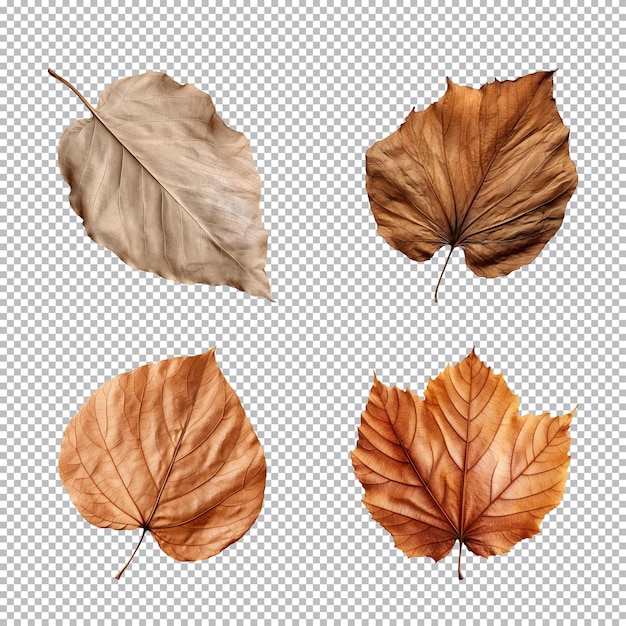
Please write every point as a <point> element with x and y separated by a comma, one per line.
<point>167,448</point>
<point>487,170</point>
<point>162,182</point>
<point>461,465</point>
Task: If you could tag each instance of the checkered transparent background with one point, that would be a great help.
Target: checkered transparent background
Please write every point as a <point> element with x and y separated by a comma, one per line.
<point>312,87</point>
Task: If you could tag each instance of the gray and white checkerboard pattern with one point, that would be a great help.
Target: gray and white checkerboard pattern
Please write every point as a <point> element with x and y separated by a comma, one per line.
<point>312,87</point>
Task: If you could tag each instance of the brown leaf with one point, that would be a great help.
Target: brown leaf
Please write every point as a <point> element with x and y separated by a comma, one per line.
<point>461,465</point>
<point>162,182</point>
<point>487,170</point>
<point>167,448</point>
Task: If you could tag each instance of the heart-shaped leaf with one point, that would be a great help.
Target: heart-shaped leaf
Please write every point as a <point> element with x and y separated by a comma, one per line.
<point>461,465</point>
<point>487,170</point>
<point>167,448</point>
<point>162,182</point>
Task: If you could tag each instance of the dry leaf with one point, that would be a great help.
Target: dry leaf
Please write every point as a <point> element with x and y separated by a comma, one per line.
<point>167,448</point>
<point>461,465</point>
<point>487,170</point>
<point>162,182</point>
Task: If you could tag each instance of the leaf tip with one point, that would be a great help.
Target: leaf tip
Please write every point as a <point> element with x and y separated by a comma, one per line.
<point>262,289</point>
<point>472,357</point>
<point>568,417</point>
<point>376,384</point>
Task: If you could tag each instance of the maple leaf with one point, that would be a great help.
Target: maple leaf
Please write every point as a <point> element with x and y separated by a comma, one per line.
<point>167,448</point>
<point>487,170</point>
<point>461,465</point>
<point>161,181</point>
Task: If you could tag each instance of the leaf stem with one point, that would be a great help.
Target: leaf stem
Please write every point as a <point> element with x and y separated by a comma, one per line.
<point>461,577</point>
<point>68,84</point>
<point>442,271</point>
<point>119,574</point>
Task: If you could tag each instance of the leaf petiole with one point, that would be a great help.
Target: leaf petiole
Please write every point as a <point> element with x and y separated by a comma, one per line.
<point>461,577</point>
<point>119,574</point>
<point>68,84</point>
<point>442,271</point>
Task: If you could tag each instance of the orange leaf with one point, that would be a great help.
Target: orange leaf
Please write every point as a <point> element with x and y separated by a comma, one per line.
<point>167,448</point>
<point>487,170</point>
<point>461,465</point>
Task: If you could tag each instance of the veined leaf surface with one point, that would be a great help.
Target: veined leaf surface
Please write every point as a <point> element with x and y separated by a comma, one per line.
<point>461,465</point>
<point>162,182</point>
<point>167,448</point>
<point>487,170</point>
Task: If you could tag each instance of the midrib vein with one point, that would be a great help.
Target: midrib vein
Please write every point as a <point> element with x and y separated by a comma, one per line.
<point>176,450</point>
<point>170,193</point>
<point>463,227</point>
<point>464,474</point>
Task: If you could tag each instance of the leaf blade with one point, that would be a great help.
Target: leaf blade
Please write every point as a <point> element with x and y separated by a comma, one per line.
<point>167,447</point>
<point>201,186</point>
<point>460,465</point>
<point>488,168</point>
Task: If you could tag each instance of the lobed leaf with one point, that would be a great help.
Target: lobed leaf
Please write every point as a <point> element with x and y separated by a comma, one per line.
<point>461,465</point>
